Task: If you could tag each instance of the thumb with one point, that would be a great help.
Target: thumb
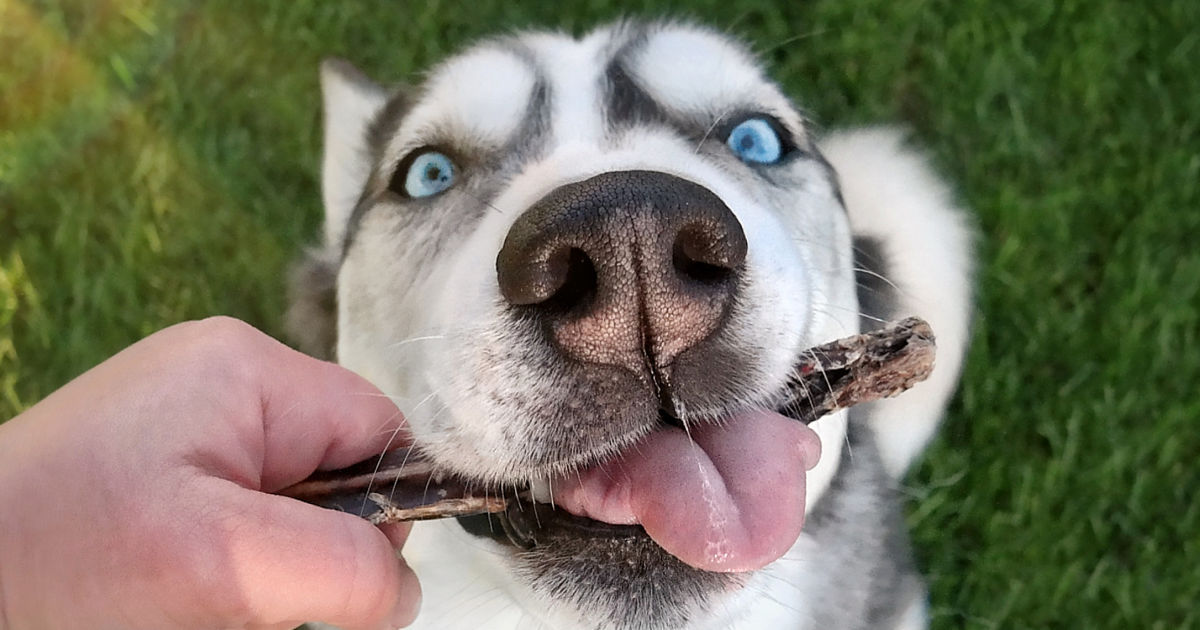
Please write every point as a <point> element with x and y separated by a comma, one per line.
<point>298,562</point>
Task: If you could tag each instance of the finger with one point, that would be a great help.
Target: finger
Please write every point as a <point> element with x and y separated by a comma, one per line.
<point>397,533</point>
<point>283,625</point>
<point>297,561</point>
<point>320,415</point>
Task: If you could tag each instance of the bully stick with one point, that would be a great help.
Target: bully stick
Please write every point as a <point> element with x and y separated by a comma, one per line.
<point>399,486</point>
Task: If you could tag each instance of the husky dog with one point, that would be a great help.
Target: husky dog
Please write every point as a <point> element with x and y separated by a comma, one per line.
<point>585,267</point>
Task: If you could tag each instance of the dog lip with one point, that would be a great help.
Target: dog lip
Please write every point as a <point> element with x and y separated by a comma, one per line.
<point>539,517</point>
<point>529,524</point>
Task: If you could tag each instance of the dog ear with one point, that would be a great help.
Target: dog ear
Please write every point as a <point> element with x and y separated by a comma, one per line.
<point>351,101</point>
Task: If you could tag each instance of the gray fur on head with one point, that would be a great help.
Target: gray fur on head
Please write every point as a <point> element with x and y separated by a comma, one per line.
<point>311,319</point>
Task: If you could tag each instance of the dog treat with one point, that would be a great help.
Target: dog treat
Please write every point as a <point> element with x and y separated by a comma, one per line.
<point>858,369</point>
<point>400,486</point>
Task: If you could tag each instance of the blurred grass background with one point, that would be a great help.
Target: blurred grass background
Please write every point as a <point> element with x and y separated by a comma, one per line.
<point>159,162</point>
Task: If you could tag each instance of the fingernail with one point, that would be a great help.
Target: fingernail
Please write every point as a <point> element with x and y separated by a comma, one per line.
<point>404,613</point>
<point>409,603</point>
<point>811,446</point>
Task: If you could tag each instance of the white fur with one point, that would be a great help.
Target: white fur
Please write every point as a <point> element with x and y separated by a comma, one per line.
<point>467,98</point>
<point>349,105</point>
<point>696,71</point>
<point>573,69</point>
<point>893,195</point>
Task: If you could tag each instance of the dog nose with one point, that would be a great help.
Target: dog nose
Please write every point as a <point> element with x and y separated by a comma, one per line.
<point>626,267</point>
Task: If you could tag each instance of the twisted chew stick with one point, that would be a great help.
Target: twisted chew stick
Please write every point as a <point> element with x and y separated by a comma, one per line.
<point>399,486</point>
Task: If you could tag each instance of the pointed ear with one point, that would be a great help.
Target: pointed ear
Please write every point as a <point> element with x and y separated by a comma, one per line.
<point>351,102</point>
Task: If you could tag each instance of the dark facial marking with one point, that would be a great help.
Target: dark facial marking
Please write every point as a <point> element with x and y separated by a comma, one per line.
<point>876,296</point>
<point>830,174</point>
<point>626,103</point>
<point>529,141</point>
<point>379,132</point>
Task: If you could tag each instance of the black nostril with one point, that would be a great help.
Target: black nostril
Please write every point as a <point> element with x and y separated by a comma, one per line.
<point>578,286</point>
<point>709,251</point>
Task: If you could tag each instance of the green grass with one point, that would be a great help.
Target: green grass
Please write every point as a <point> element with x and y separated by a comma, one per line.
<point>158,162</point>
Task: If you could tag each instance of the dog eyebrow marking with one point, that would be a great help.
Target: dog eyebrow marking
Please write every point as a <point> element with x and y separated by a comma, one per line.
<point>626,103</point>
<point>530,138</point>
<point>379,133</point>
<point>477,100</point>
<point>381,130</point>
<point>696,75</point>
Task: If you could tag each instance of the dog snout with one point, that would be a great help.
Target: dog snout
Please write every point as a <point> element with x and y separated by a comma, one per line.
<point>626,268</point>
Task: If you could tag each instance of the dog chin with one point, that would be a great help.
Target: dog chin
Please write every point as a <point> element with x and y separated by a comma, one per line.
<point>614,572</point>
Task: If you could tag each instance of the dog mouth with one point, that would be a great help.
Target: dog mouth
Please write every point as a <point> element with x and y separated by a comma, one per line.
<point>533,516</point>
<point>722,496</point>
<point>728,496</point>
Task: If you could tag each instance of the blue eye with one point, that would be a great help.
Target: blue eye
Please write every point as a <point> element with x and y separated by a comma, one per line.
<point>429,174</point>
<point>755,141</point>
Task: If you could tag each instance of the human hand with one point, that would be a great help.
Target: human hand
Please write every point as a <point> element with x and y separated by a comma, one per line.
<point>137,496</point>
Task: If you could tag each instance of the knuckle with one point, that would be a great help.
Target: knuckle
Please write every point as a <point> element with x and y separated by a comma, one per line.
<point>230,330</point>
<point>222,347</point>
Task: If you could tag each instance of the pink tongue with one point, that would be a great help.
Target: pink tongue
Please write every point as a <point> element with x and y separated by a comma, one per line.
<point>727,498</point>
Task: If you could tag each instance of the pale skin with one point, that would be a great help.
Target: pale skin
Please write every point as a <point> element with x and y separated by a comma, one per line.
<point>139,494</point>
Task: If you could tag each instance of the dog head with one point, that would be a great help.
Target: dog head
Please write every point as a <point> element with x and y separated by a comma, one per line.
<point>557,251</point>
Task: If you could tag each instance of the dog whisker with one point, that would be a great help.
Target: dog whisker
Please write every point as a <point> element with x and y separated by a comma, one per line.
<point>838,317</point>
<point>876,274</point>
<point>769,596</point>
<point>711,128</point>
<point>820,307</point>
<point>428,397</point>
<point>379,461</point>
<point>483,201</point>
<point>396,481</point>
<point>405,342</point>
<point>791,40</point>
<point>475,602</point>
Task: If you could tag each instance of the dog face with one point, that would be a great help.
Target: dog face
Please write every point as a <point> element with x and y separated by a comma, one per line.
<point>557,249</point>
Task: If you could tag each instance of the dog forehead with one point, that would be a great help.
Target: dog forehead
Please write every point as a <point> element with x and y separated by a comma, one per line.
<point>481,94</point>
<point>689,65</point>
<point>695,70</point>
<point>484,95</point>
